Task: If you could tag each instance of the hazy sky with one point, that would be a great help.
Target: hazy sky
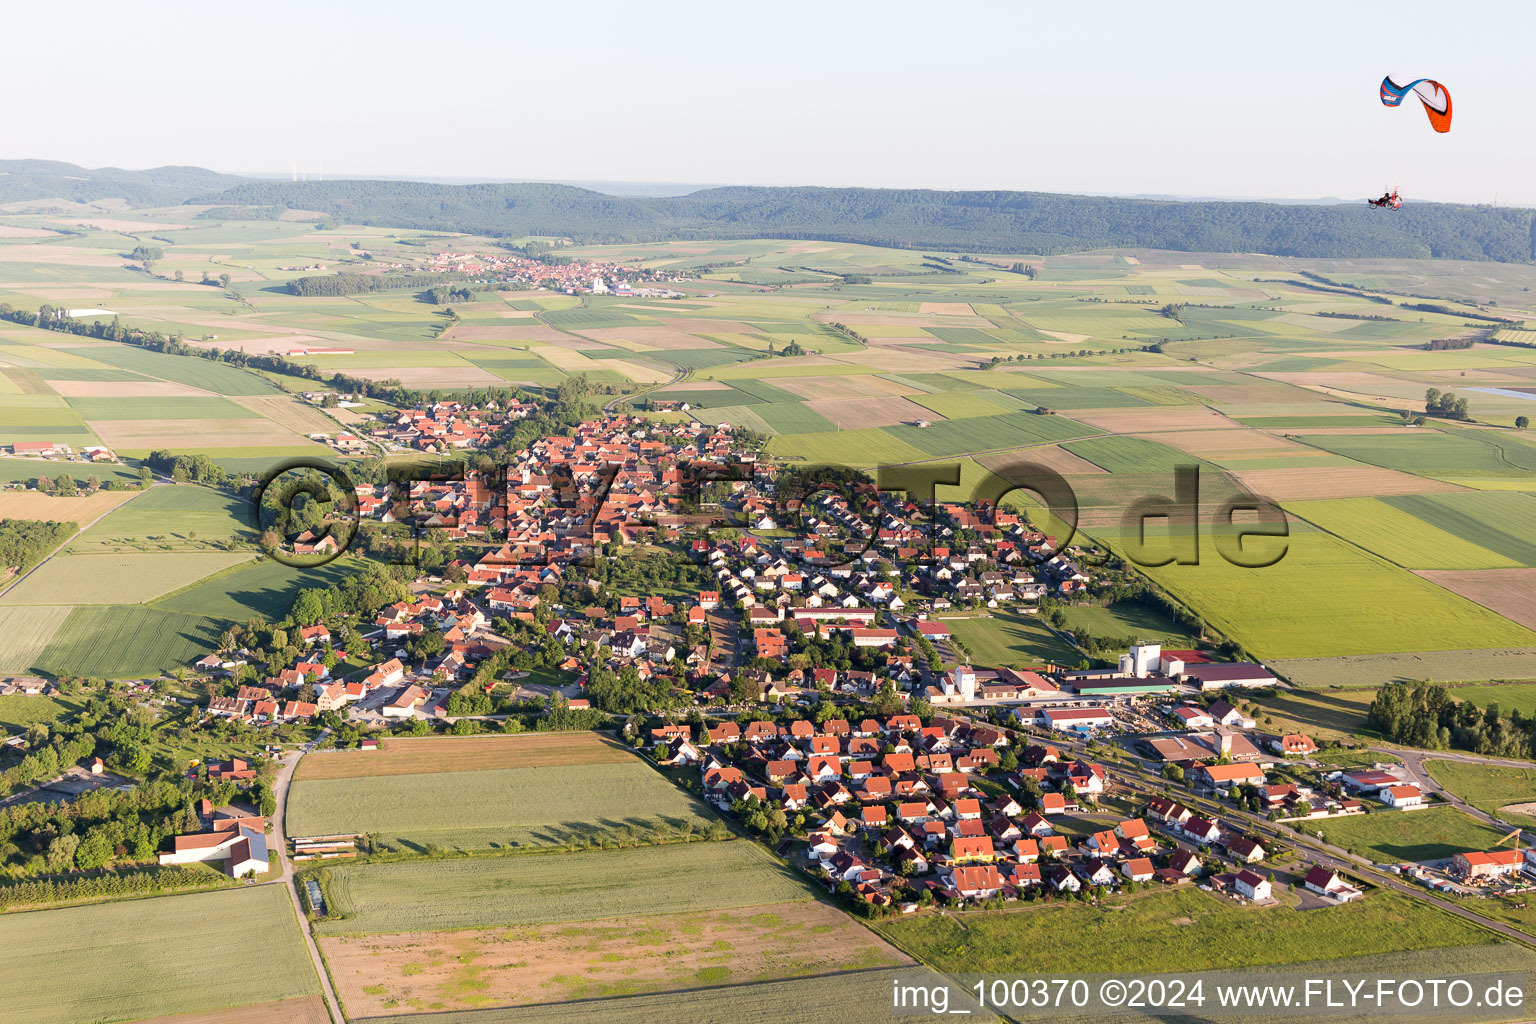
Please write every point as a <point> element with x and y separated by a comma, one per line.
<point>1186,98</point>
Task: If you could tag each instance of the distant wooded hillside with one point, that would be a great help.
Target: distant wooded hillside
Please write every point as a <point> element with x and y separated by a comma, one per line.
<point>1023,222</point>
<point>1030,222</point>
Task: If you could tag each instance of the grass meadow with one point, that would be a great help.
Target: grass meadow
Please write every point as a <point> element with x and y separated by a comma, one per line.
<point>1012,640</point>
<point>507,807</point>
<point>1390,837</point>
<point>1209,932</point>
<point>489,892</point>
<point>1490,788</point>
<point>148,958</point>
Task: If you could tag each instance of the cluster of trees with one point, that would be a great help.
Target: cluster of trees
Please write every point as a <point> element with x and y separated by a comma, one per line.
<point>363,284</point>
<point>66,486</point>
<point>1445,344</point>
<point>994,221</point>
<point>1445,404</point>
<point>195,468</point>
<point>108,885</point>
<point>444,294</point>
<point>24,541</point>
<point>1426,715</point>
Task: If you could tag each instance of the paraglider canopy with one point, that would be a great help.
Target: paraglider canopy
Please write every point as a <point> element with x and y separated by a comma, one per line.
<point>1388,201</point>
<point>1434,96</point>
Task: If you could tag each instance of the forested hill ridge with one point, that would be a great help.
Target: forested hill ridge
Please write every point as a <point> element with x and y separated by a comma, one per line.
<point>1029,222</point>
<point>30,180</point>
<point>1025,222</point>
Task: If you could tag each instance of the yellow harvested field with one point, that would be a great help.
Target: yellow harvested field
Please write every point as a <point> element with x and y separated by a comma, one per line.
<point>844,387</point>
<point>854,413</point>
<point>1067,337</point>
<point>527,964</point>
<point>651,337</point>
<point>1050,456</point>
<point>290,412</point>
<point>1307,482</point>
<point>947,308</point>
<point>1509,592</point>
<point>80,509</point>
<point>638,372</point>
<point>419,755</point>
<point>1226,442</point>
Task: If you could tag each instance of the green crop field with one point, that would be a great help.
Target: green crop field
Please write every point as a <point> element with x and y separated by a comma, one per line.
<point>1501,521</point>
<point>869,447</point>
<point>1131,455</point>
<point>1128,619</point>
<point>1012,640</point>
<point>1077,398</point>
<point>1390,837</point>
<point>187,407</point>
<point>258,588</point>
<point>957,405</point>
<point>1326,598</point>
<point>132,578</point>
<point>219,378</point>
<point>24,632</point>
<point>1209,932</point>
<point>1372,670</point>
<point>510,807</point>
<point>1396,534</point>
<point>792,418</point>
<point>1495,789</point>
<point>138,956</point>
<point>488,892</point>
<point>119,641</point>
<point>1425,451</point>
<point>989,433</point>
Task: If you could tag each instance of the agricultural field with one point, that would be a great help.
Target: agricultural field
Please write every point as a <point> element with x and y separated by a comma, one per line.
<point>180,517</point>
<point>1394,837</point>
<point>130,578</point>
<point>117,641</point>
<point>496,892</point>
<point>1386,529</point>
<point>1328,598</point>
<point>576,791</point>
<point>1504,791</point>
<point>603,959</point>
<point>855,998</point>
<point>139,967</point>
<point>400,755</point>
<point>24,632</point>
<point>1211,933</point>
<point>1409,666</point>
<point>1132,620</point>
<point>1012,640</point>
